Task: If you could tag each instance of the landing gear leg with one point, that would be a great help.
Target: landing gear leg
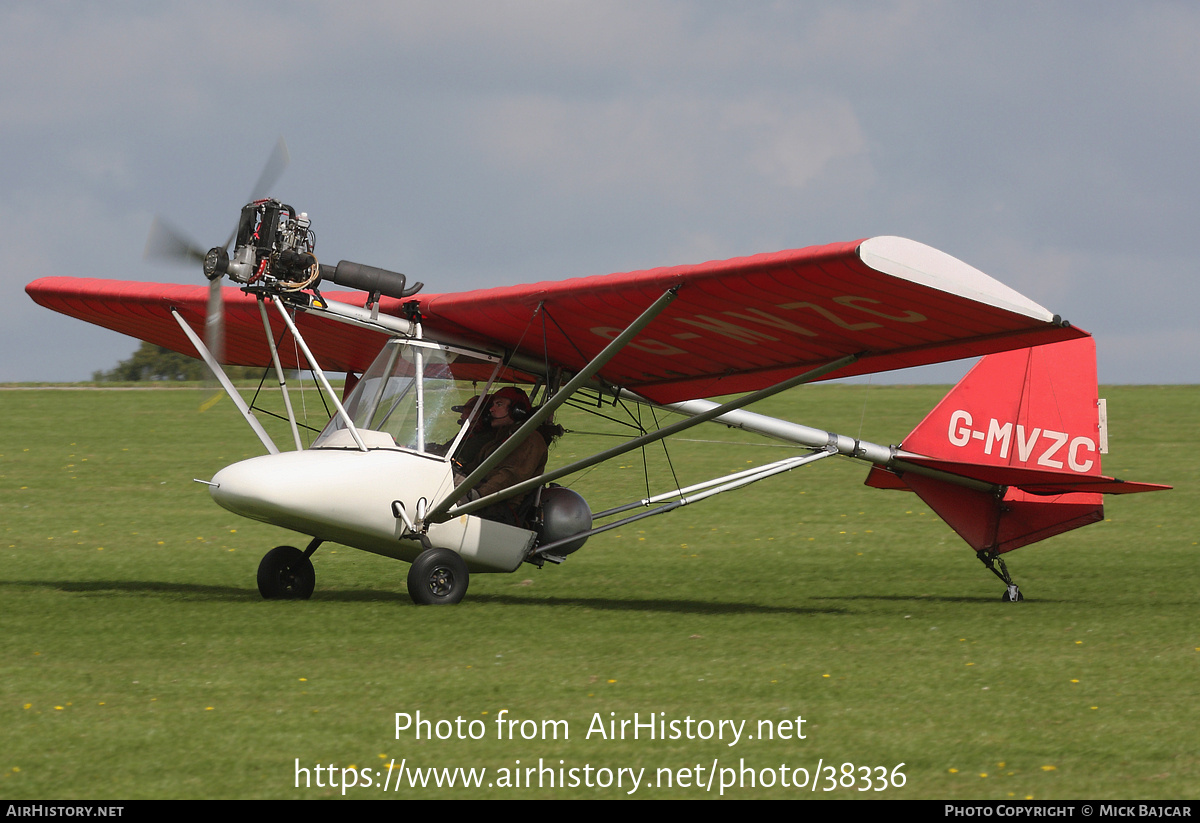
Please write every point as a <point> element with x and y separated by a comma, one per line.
<point>993,560</point>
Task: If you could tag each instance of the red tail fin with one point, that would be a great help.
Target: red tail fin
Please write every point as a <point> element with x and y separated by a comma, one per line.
<point>1030,409</point>
<point>1028,422</point>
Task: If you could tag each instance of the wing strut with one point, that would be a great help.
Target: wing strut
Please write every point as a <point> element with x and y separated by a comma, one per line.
<point>320,375</point>
<point>441,512</point>
<point>287,400</point>
<point>223,379</point>
<point>638,442</point>
<point>692,494</point>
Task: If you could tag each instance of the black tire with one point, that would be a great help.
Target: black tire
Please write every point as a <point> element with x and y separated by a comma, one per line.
<point>286,574</point>
<point>437,577</point>
<point>1007,598</point>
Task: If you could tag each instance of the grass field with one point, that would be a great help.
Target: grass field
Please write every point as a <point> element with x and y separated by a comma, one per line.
<point>140,662</point>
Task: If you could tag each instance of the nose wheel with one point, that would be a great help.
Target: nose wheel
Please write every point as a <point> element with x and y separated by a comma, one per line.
<point>286,573</point>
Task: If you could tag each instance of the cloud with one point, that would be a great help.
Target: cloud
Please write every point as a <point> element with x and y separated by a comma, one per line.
<point>479,143</point>
<point>674,148</point>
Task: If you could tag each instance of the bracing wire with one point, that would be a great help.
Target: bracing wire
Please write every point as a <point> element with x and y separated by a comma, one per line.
<point>666,453</point>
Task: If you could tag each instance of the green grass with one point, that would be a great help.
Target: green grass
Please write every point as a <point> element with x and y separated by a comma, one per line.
<point>139,660</point>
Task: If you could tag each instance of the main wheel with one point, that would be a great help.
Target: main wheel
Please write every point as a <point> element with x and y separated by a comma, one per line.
<point>285,573</point>
<point>1012,595</point>
<point>437,576</point>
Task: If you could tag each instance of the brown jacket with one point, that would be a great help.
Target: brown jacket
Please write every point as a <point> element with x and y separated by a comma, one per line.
<point>527,460</point>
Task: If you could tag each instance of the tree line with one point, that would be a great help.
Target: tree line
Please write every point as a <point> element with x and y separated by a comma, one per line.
<point>151,362</point>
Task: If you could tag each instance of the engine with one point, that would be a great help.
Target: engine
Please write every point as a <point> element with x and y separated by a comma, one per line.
<point>273,252</point>
<point>273,249</point>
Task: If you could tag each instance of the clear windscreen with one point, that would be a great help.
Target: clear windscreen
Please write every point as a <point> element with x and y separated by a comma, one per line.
<point>418,414</point>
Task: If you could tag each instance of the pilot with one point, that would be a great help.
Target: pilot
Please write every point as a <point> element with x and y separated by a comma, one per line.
<point>477,435</point>
<point>509,408</point>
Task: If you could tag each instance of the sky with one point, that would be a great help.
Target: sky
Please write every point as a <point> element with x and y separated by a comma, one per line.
<point>469,144</point>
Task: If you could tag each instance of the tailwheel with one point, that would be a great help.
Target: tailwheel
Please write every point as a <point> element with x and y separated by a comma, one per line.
<point>437,576</point>
<point>995,564</point>
<point>286,573</point>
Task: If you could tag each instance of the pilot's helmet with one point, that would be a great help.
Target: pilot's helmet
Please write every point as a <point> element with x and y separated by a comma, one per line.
<point>518,401</point>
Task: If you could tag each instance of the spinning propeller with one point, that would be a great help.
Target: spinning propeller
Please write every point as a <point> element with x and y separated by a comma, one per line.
<point>168,243</point>
<point>270,252</point>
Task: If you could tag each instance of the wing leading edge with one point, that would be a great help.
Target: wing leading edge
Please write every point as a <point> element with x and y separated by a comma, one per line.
<point>747,323</point>
<point>737,325</point>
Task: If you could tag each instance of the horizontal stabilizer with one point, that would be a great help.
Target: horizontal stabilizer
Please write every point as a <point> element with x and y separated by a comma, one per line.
<point>1035,481</point>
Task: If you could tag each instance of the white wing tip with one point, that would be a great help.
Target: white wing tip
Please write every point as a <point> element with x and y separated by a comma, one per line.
<point>925,265</point>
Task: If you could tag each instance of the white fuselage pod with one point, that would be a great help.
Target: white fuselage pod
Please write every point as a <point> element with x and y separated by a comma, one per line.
<point>346,495</point>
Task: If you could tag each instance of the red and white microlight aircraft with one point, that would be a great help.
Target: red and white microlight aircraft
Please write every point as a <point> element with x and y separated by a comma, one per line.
<point>1010,457</point>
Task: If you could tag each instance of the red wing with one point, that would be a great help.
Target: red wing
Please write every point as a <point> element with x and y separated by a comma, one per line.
<point>743,324</point>
<point>142,310</point>
<point>737,325</point>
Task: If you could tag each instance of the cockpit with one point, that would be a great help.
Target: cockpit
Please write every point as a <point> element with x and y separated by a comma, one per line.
<point>408,399</point>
